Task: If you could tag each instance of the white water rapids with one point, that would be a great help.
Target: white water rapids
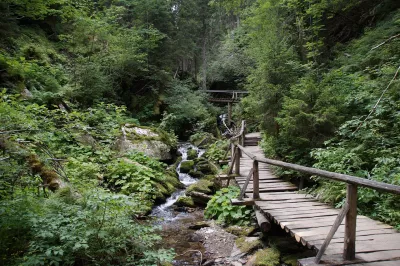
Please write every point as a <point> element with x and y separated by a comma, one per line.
<point>165,211</point>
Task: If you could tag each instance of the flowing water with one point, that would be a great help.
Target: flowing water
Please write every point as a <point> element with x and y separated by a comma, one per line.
<point>175,231</point>
<point>165,211</point>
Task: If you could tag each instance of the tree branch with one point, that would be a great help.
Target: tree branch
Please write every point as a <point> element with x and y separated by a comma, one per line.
<point>388,40</point>
<point>379,100</point>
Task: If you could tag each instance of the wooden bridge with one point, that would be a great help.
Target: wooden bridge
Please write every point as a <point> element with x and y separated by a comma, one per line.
<point>358,240</point>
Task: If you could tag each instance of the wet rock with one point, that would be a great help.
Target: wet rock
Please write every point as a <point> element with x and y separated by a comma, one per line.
<point>203,186</point>
<point>199,225</point>
<point>196,174</point>
<point>208,263</point>
<point>195,238</point>
<point>184,201</point>
<point>199,198</point>
<point>240,230</point>
<point>186,166</point>
<point>248,244</point>
<point>236,263</point>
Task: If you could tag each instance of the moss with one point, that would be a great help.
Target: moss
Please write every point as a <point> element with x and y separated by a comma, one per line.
<point>160,189</point>
<point>291,259</point>
<point>245,245</point>
<point>184,201</point>
<point>268,257</point>
<point>191,154</point>
<point>186,166</point>
<point>203,186</point>
<point>196,174</point>
<point>240,230</point>
<point>173,181</point>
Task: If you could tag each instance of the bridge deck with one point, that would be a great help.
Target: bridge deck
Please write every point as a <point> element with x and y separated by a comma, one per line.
<point>309,221</point>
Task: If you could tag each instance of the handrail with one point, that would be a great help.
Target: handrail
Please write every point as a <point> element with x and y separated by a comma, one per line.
<point>330,175</point>
<point>242,128</point>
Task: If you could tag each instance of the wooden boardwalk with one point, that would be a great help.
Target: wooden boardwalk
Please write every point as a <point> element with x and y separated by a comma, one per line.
<point>309,221</point>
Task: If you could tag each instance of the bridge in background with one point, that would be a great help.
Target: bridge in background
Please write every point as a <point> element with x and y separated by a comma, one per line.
<point>226,96</point>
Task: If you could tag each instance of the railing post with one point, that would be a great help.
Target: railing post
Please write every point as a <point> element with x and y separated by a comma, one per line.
<point>349,251</point>
<point>237,160</point>
<point>256,193</point>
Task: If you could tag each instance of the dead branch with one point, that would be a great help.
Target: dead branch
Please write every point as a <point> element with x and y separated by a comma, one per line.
<point>388,40</point>
<point>379,100</point>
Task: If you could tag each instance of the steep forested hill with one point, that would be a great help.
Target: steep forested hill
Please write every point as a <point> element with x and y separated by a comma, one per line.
<point>322,77</point>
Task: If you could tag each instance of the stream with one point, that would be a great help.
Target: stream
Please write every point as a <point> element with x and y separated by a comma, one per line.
<point>174,224</point>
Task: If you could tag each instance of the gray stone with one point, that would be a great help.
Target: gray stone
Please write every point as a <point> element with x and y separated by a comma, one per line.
<point>187,166</point>
<point>143,140</point>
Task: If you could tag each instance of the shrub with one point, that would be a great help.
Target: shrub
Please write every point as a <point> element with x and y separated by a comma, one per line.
<point>220,208</point>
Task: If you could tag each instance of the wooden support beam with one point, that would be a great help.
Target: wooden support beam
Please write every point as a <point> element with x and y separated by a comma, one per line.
<point>243,202</point>
<point>256,185</point>
<point>349,251</point>
<point>229,113</point>
<point>263,222</point>
<point>232,163</point>
<point>335,226</point>
<point>244,188</point>
<point>237,161</point>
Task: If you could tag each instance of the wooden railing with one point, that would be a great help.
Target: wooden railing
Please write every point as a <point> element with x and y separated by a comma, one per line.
<point>349,210</point>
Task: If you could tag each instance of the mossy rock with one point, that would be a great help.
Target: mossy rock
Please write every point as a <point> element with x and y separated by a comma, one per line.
<point>192,154</point>
<point>248,244</point>
<point>161,193</point>
<point>196,174</point>
<point>203,186</point>
<point>205,168</point>
<point>184,201</point>
<point>174,181</point>
<point>267,257</point>
<point>240,230</point>
<point>186,166</point>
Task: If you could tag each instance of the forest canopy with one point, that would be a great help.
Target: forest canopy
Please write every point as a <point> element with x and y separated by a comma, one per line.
<point>322,81</point>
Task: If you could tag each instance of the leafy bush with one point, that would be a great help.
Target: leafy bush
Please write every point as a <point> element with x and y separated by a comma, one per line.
<point>217,150</point>
<point>67,229</point>
<point>221,209</point>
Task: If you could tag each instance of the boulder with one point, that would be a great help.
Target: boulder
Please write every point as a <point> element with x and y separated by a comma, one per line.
<point>203,186</point>
<point>186,166</point>
<point>184,201</point>
<point>192,154</point>
<point>147,140</point>
<point>199,198</point>
<point>196,174</point>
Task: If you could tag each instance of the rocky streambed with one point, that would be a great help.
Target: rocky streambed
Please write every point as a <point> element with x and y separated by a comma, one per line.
<point>200,242</point>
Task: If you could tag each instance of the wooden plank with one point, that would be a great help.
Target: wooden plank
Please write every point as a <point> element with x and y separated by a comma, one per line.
<point>276,205</point>
<point>305,233</point>
<point>242,202</point>
<point>370,257</point>
<point>385,231</point>
<point>349,249</point>
<point>380,263</point>
<point>337,248</point>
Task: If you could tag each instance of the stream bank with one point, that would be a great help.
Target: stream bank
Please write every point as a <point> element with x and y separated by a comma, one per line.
<point>200,242</point>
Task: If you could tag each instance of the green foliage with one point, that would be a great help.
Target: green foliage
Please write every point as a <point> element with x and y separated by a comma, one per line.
<point>217,150</point>
<point>187,110</point>
<point>95,228</point>
<point>81,223</point>
<point>220,208</point>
